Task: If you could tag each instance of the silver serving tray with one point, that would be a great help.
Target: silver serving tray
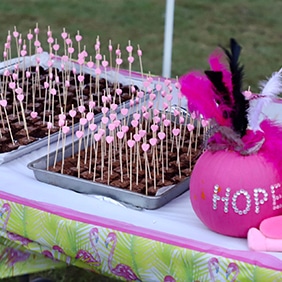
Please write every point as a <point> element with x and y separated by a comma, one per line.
<point>22,150</point>
<point>131,199</point>
<point>30,61</point>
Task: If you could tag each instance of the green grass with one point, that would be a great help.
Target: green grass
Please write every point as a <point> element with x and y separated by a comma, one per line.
<point>199,27</point>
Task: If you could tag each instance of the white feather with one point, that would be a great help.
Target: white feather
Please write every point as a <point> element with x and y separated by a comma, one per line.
<point>270,89</point>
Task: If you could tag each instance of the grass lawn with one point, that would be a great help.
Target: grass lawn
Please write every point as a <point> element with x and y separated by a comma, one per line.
<point>199,27</point>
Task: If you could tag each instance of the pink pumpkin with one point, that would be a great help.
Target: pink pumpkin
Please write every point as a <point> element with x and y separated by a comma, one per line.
<point>231,193</point>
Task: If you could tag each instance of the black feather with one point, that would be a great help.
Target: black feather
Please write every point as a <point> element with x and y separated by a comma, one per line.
<point>223,95</point>
<point>241,105</point>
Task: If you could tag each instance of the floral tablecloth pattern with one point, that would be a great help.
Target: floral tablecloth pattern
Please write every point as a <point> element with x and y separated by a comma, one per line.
<point>32,240</point>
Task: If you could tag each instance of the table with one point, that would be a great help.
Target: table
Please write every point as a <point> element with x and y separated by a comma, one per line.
<point>55,227</point>
<point>43,226</point>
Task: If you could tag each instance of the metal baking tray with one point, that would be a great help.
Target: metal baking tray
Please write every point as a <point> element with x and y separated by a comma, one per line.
<point>22,150</point>
<point>130,198</point>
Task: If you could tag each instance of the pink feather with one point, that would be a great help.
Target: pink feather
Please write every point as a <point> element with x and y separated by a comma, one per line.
<point>198,90</point>
<point>217,61</point>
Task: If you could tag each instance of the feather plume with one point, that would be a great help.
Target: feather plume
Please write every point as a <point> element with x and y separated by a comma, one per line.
<point>241,105</point>
<point>200,95</point>
<point>217,94</point>
<point>227,104</point>
<point>270,89</point>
